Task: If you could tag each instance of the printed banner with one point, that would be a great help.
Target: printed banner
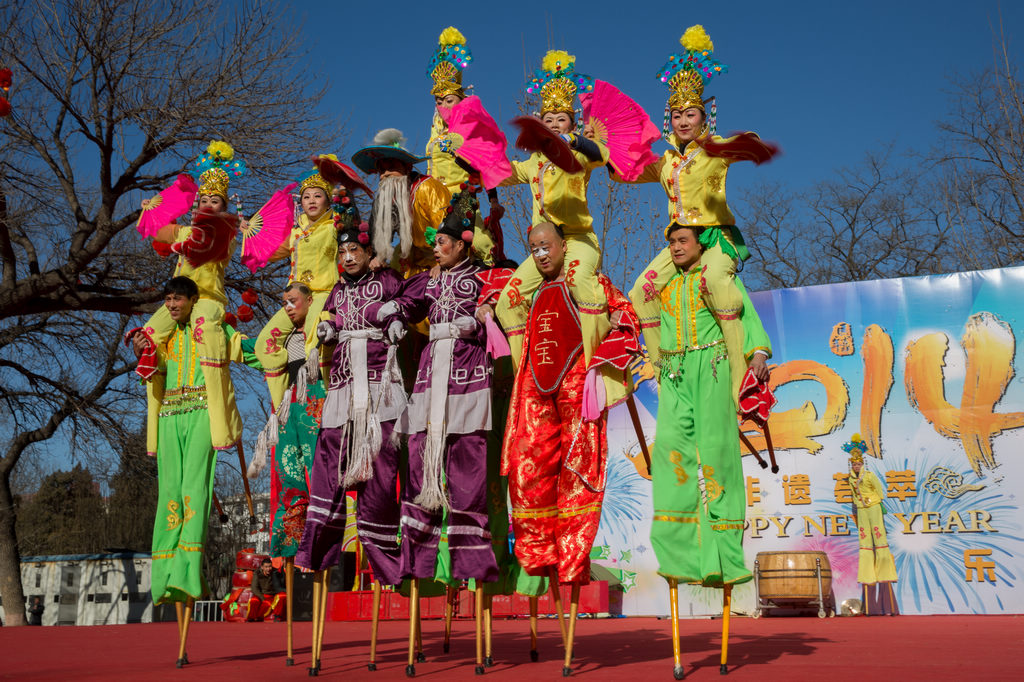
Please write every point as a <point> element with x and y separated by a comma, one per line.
<point>924,369</point>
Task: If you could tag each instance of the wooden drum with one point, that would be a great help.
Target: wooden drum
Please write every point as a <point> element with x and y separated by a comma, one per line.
<point>793,576</point>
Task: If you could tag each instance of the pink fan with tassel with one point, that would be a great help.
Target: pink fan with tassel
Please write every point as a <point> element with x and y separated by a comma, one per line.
<point>166,207</point>
<point>483,144</point>
<point>622,126</point>
<point>268,228</point>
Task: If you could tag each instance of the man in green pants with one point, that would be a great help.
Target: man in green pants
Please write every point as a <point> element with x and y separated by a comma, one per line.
<point>185,454</point>
<point>697,537</point>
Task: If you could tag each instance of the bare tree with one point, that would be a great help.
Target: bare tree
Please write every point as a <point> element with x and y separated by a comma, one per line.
<point>111,99</point>
<point>874,221</point>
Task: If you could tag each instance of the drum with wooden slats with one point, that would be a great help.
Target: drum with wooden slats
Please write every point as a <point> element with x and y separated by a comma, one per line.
<point>793,576</point>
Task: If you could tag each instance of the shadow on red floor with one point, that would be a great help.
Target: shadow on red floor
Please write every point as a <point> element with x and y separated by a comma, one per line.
<point>630,649</point>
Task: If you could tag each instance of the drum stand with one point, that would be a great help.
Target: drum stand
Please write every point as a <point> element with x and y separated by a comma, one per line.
<point>184,613</point>
<point>289,587</point>
<point>321,581</point>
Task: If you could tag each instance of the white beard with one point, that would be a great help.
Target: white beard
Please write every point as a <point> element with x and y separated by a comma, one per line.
<point>392,212</point>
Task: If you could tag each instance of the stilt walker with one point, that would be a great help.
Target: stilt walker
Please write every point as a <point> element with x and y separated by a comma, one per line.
<point>444,161</point>
<point>693,174</point>
<point>876,569</point>
<point>555,451</point>
<point>355,449</point>
<point>448,416</point>
<point>697,531</point>
<point>185,453</point>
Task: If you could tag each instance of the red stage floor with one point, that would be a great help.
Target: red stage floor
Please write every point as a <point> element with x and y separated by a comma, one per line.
<point>632,649</point>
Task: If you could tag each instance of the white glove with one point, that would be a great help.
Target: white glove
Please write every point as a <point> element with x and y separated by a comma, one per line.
<point>385,311</point>
<point>396,332</point>
<point>466,325</point>
<point>326,332</point>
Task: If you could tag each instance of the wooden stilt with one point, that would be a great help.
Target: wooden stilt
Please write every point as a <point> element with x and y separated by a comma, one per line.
<point>723,669</point>
<point>478,617</point>
<point>574,607</point>
<point>451,594</point>
<point>245,482</point>
<point>289,588</point>
<point>488,625</point>
<point>182,656</point>
<point>179,611</point>
<point>673,598</point>
<point>533,629</point>
<point>414,617</point>
<point>556,597</point>
<point>317,587</point>
<point>324,585</point>
<point>221,516</point>
<point>420,656</point>
<point>374,623</point>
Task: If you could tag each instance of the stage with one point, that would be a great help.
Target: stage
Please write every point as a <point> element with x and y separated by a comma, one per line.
<point>633,649</point>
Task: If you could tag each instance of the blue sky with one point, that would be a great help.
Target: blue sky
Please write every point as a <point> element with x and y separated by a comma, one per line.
<point>828,81</point>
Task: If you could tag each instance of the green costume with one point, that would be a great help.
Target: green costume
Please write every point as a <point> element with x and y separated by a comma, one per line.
<point>185,463</point>
<point>698,538</point>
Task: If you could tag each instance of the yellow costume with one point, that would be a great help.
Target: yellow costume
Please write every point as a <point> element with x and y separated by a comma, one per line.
<point>313,250</point>
<point>694,183</point>
<point>207,318</point>
<point>560,198</point>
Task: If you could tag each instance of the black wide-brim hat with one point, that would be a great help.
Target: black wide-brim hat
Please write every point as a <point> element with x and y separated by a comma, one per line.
<point>366,158</point>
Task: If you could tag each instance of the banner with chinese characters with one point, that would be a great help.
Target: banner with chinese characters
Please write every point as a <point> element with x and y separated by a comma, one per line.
<point>925,370</point>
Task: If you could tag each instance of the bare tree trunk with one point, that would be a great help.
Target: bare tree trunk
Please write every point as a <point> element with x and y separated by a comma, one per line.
<point>10,559</point>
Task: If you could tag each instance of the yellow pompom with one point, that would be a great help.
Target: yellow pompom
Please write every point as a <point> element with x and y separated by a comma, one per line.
<point>856,438</point>
<point>696,38</point>
<point>221,150</point>
<point>451,36</point>
<point>332,157</point>
<point>557,60</point>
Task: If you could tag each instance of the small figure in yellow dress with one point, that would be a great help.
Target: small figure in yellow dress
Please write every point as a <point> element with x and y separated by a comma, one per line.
<point>876,570</point>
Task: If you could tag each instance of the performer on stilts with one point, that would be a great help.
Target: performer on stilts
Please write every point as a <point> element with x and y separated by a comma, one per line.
<point>355,448</point>
<point>448,418</point>
<point>559,197</point>
<point>445,71</point>
<point>185,453</point>
<point>697,531</point>
<point>556,448</point>
<point>876,569</point>
<point>693,175</point>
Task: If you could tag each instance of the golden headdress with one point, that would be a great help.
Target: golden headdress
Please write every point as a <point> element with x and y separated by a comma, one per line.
<point>557,82</point>
<point>314,179</point>
<point>856,447</point>
<point>216,167</point>
<point>445,67</point>
<point>686,73</point>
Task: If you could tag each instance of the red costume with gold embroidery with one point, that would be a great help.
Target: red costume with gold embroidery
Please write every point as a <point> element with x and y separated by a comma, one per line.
<point>554,459</point>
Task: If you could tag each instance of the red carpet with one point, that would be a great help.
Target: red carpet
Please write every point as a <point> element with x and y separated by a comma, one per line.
<point>631,649</point>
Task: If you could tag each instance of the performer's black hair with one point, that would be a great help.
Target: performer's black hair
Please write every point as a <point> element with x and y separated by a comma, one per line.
<point>697,231</point>
<point>508,264</point>
<point>300,287</point>
<point>182,286</point>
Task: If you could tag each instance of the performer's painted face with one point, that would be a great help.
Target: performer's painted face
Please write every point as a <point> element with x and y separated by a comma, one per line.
<point>448,101</point>
<point>355,259</point>
<point>449,252</point>
<point>687,124</point>
<point>296,305</point>
<point>314,202</point>
<point>212,202</point>
<point>558,121</point>
<point>684,247</point>
<point>548,250</point>
<point>389,168</point>
<point>179,307</point>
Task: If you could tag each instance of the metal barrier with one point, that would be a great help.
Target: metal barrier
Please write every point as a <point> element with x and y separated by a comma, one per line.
<point>207,611</point>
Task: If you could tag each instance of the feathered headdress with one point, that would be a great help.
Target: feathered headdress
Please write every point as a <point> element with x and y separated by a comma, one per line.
<point>445,67</point>
<point>687,72</point>
<point>856,447</point>
<point>216,167</point>
<point>314,179</point>
<point>557,82</point>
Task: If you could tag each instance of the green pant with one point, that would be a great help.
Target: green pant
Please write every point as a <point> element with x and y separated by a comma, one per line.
<point>698,540</point>
<point>185,463</point>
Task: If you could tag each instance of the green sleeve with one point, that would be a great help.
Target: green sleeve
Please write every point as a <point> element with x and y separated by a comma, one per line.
<point>241,348</point>
<point>754,336</point>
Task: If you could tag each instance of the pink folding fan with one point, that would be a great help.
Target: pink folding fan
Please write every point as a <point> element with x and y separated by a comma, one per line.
<point>166,207</point>
<point>621,125</point>
<point>483,143</point>
<point>268,228</point>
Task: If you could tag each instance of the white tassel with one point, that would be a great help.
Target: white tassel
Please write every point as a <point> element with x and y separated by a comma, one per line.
<point>267,439</point>
<point>432,497</point>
